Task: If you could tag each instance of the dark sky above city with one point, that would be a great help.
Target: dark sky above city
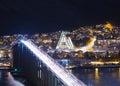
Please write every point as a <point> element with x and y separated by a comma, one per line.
<point>40,16</point>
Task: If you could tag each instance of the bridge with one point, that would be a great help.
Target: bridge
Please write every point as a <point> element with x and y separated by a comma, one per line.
<point>39,68</point>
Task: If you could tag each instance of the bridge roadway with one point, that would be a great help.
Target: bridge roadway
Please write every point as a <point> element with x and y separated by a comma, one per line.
<point>59,71</point>
<point>66,78</point>
<point>6,79</point>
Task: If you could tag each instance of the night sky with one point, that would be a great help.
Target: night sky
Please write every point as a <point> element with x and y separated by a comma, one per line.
<point>41,16</point>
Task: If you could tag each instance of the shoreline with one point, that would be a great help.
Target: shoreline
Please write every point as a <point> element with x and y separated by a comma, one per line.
<point>94,66</point>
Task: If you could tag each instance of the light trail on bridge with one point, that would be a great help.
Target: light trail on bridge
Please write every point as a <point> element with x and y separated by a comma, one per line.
<point>66,77</point>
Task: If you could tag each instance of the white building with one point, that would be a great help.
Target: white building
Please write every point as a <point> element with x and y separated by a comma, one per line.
<point>64,42</point>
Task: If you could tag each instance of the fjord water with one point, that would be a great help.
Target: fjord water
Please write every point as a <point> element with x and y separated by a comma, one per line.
<point>6,79</point>
<point>98,76</point>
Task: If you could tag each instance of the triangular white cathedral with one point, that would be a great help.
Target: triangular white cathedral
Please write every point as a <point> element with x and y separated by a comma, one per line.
<point>64,42</point>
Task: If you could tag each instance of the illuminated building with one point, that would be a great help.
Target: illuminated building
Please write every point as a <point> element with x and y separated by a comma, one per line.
<point>64,42</point>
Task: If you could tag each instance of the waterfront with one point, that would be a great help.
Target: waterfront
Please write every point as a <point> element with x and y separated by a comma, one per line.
<point>98,76</point>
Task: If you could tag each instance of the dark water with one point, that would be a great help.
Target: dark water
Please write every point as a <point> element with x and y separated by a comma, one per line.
<point>99,76</point>
<point>6,79</point>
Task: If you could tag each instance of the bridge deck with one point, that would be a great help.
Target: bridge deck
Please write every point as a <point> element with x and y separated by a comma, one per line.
<point>67,78</point>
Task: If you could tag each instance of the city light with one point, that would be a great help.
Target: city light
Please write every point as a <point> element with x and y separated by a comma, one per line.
<point>97,63</point>
<point>102,63</point>
<point>66,77</point>
<point>89,45</point>
<point>109,26</point>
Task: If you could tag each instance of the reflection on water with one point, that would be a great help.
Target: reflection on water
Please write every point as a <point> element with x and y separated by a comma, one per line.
<point>99,76</point>
<point>119,73</point>
<point>96,73</point>
<point>6,79</point>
